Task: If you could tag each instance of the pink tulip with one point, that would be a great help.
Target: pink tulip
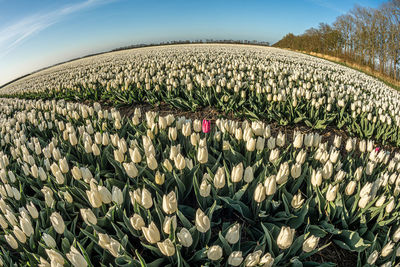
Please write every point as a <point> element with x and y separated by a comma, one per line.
<point>206,126</point>
<point>377,149</point>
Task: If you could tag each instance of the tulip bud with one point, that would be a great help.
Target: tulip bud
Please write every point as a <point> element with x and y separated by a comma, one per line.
<point>387,249</point>
<point>26,226</point>
<point>351,186</point>
<point>283,173</point>
<point>166,247</point>
<point>267,260</point>
<point>202,221</point>
<point>135,155</point>
<point>327,170</point>
<point>270,185</point>
<point>55,258</point>
<point>285,237</point>
<point>146,200</point>
<point>396,235</point>
<point>337,141</point>
<point>331,193</point>
<point>117,196</point>
<point>118,155</point>
<point>76,173</point>
<point>214,253</point>
<point>137,222</point>
<point>151,162</point>
<point>167,164</point>
<point>260,143</point>
<point>151,233</point>
<point>259,193</point>
<point>32,210</point>
<point>253,259</point>
<point>310,243</point>
<point>72,139</point>
<point>54,168</point>
<point>301,157</point>
<point>105,194</point>
<point>94,198</point>
<point>233,234</point>
<point>295,171</point>
<point>130,169</point>
<point>219,178</point>
<point>251,144</point>
<point>271,143</point>
<point>186,129</point>
<point>248,174</point>
<point>57,222</point>
<point>168,222</point>
<point>95,150</point>
<point>59,177</point>
<point>172,133</point>
<point>88,216</point>
<point>76,258</point>
<point>170,204</point>
<point>237,173</point>
<point>316,178</point>
<point>349,145</point>
<point>16,193</point>
<point>381,200</point>
<point>274,155</point>
<point>363,202</point>
<point>35,171</point>
<point>235,258</point>
<point>11,241</point>
<point>333,157</point>
<point>373,257</point>
<point>217,136</point>
<point>239,134</point>
<point>197,125</point>
<point>42,174</point>
<point>280,139</point>
<point>202,155</point>
<point>185,238</point>
<point>206,126</point>
<point>49,240</point>
<point>298,140</point>
<point>225,145</point>
<point>390,206</point>
<point>194,139</point>
<point>180,162</point>
<point>205,188</point>
<point>297,201</point>
<point>159,178</point>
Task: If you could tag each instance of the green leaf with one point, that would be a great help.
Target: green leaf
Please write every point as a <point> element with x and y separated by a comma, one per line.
<point>352,241</point>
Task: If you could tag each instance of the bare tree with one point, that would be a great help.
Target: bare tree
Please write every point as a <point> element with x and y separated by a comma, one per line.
<point>367,36</point>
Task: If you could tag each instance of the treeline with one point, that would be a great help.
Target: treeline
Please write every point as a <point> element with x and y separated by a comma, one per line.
<point>366,36</point>
<point>206,41</point>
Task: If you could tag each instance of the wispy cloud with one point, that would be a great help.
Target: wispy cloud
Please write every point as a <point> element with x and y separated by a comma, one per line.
<point>16,33</point>
<point>327,4</point>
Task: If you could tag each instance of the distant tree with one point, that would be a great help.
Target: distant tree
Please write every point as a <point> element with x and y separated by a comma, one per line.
<point>367,36</point>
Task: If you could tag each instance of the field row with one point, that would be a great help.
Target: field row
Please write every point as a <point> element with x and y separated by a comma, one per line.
<point>248,82</point>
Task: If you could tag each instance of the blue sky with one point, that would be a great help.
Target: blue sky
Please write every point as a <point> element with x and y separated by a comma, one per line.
<point>36,34</point>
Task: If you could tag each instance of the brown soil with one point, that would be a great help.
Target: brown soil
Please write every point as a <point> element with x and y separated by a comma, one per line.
<point>334,254</point>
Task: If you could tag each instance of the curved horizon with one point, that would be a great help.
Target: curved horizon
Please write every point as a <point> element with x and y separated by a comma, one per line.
<point>36,35</point>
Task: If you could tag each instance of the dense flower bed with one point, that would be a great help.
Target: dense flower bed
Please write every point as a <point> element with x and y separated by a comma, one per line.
<point>250,82</point>
<point>84,186</point>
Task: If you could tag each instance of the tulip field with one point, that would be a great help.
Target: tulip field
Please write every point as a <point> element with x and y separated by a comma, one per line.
<point>83,184</point>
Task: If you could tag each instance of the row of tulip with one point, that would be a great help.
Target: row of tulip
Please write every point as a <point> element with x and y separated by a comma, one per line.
<point>85,186</point>
<point>256,82</point>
